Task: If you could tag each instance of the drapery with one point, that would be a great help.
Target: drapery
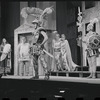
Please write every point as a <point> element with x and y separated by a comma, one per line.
<point>66,24</point>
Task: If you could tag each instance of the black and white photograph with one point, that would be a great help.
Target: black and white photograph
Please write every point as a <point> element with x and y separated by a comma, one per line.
<point>49,50</point>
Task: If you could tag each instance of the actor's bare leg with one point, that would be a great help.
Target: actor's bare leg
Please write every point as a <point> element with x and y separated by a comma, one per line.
<point>92,66</point>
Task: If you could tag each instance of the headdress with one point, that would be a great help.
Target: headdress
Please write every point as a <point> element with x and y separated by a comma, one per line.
<point>38,14</point>
<point>91,23</point>
<point>35,21</point>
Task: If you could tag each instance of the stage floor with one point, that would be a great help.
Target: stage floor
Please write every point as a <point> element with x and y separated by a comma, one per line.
<point>23,86</point>
<point>57,78</point>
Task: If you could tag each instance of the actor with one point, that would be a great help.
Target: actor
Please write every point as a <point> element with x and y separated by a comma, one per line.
<point>56,45</point>
<point>5,50</point>
<point>67,61</point>
<point>39,39</point>
<point>24,56</point>
<point>91,53</point>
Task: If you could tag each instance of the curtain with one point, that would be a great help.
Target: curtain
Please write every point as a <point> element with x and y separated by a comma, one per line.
<point>66,24</point>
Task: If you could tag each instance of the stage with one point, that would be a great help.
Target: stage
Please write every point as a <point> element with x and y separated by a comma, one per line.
<point>57,79</point>
<point>71,82</point>
<point>24,87</point>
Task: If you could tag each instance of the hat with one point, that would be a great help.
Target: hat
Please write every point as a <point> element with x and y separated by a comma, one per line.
<point>55,32</point>
<point>35,21</point>
<point>89,26</point>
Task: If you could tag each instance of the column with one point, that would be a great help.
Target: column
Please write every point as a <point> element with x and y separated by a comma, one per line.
<point>83,33</point>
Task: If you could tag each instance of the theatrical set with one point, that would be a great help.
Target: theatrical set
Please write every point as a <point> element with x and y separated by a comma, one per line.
<point>50,41</point>
<point>42,50</point>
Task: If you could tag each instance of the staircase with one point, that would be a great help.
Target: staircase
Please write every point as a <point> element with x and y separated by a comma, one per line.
<point>80,72</point>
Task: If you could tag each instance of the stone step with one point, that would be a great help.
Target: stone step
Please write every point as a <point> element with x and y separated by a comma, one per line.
<point>86,68</point>
<point>73,73</point>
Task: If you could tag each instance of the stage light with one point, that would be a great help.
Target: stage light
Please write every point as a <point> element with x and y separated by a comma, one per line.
<point>62,91</point>
<point>57,96</point>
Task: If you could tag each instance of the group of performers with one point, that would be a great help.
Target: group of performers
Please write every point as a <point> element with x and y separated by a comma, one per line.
<point>36,50</point>
<point>62,54</point>
<point>33,50</point>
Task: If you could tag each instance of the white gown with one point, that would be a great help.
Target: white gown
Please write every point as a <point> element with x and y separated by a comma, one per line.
<point>6,50</point>
<point>65,48</point>
<point>57,51</point>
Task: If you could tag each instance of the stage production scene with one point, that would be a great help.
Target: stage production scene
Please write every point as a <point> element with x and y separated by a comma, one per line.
<point>50,41</point>
<point>47,43</point>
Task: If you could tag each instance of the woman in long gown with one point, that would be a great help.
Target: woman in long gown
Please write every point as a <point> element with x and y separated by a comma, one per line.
<point>56,44</point>
<point>5,57</point>
<point>67,62</point>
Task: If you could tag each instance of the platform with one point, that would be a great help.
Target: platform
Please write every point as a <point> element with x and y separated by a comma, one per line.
<point>72,83</point>
<point>81,71</point>
<point>25,87</point>
<point>57,79</point>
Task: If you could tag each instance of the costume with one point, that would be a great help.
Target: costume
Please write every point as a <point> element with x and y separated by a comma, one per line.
<point>64,52</point>
<point>39,39</point>
<point>5,57</point>
<point>57,54</point>
<point>67,61</point>
<point>38,53</point>
<point>39,35</point>
<point>91,54</point>
<point>92,42</point>
<point>24,58</point>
